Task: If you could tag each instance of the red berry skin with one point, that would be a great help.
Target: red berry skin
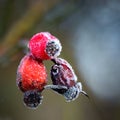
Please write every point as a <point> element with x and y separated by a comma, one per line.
<point>31,74</point>
<point>44,46</point>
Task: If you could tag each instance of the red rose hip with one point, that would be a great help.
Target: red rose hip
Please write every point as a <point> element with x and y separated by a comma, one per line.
<point>31,79</point>
<point>31,74</point>
<point>44,46</point>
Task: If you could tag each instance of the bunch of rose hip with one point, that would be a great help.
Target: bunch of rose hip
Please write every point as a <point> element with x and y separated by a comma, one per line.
<point>32,76</point>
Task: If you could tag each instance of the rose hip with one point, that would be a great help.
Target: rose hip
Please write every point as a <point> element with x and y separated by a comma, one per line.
<point>44,46</point>
<point>64,80</point>
<point>31,79</point>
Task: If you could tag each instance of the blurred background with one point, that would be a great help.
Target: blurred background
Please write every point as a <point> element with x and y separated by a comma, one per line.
<point>89,31</point>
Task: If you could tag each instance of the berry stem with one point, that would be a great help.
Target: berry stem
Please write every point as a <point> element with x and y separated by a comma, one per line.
<point>55,87</point>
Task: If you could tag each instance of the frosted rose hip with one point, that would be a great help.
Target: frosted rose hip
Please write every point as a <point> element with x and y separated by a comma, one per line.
<point>44,46</point>
<point>31,74</point>
<point>64,80</point>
